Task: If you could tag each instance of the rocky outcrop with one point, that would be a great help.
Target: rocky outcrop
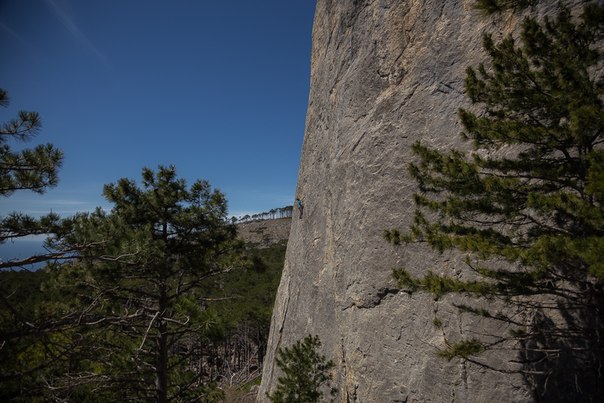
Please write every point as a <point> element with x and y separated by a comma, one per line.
<point>384,74</point>
<point>264,233</point>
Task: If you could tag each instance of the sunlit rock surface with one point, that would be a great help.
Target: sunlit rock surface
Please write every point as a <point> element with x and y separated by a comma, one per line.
<point>384,74</point>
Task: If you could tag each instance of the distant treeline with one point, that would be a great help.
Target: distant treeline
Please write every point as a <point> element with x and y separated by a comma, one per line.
<point>281,212</point>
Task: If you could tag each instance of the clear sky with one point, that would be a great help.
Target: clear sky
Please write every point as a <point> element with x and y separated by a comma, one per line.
<point>217,88</point>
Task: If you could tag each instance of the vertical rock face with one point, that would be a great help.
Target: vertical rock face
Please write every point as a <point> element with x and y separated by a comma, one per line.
<point>385,73</point>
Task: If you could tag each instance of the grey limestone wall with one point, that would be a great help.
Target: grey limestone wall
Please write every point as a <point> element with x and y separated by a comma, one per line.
<point>384,74</point>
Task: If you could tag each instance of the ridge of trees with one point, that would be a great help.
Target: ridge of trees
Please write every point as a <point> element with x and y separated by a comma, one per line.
<point>272,214</point>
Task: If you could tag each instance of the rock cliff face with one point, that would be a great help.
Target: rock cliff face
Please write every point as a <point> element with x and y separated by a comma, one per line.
<point>264,233</point>
<point>385,73</point>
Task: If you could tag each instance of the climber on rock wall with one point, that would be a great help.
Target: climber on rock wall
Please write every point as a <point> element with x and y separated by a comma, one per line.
<point>300,206</point>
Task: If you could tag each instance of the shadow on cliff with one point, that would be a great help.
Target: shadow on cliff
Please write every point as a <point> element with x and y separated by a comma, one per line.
<point>563,355</point>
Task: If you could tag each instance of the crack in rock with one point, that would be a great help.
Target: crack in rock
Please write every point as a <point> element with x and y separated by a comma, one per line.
<point>374,300</point>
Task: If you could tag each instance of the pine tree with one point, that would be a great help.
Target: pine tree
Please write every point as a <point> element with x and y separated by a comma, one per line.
<point>529,195</point>
<point>139,287</point>
<point>30,169</point>
<point>33,169</point>
<point>305,372</point>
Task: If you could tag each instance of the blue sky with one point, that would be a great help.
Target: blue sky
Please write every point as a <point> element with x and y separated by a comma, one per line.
<point>217,88</point>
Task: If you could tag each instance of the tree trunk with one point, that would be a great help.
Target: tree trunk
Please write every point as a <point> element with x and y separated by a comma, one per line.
<point>161,370</point>
<point>162,328</point>
<point>162,364</point>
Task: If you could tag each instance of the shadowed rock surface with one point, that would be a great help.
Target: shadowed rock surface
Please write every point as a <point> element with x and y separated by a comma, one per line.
<point>384,74</point>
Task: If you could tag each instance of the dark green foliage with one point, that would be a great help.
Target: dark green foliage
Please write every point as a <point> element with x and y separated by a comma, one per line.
<point>21,338</point>
<point>305,373</point>
<point>19,296</point>
<point>17,225</point>
<point>138,288</point>
<point>78,332</point>
<point>34,169</point>
<point>250,294</point>
<point>497,6</point>
<point>526,204</point>
<point>441,285</point>
<point>243,300</point>
<point>30,169</point>
<point>542,99</point>
<point>463,349</point>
